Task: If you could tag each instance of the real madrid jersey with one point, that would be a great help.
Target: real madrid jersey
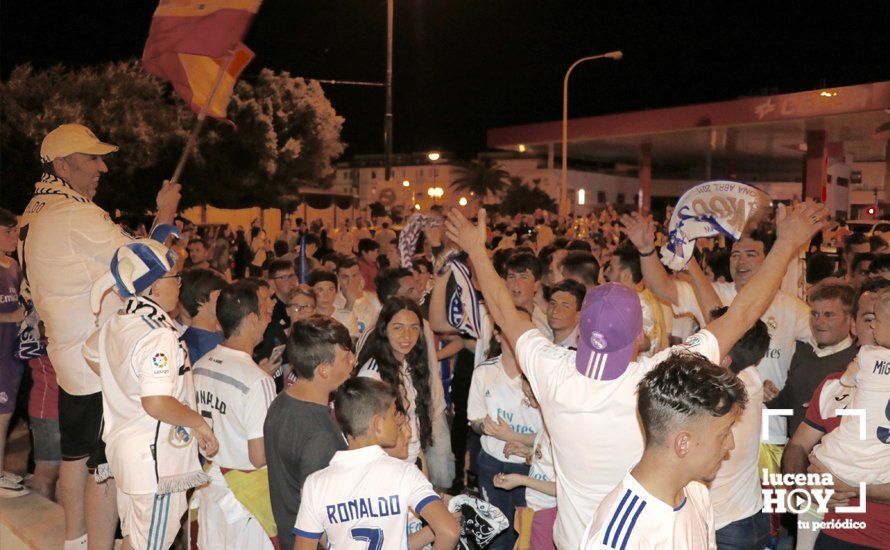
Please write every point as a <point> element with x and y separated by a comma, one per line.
<point>140,354</point>
<point>787,319</point>
<point>362,499</point>
<point>630,517</point>
<point>233,394</point>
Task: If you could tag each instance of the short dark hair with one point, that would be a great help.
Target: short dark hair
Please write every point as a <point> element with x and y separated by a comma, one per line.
<point>766,234</point>
<point>359,400</point>
<point>582,265</point>
<point>522,262</point>
<point>197,284</point>
<point>416,263</point>
<point>279,265</point>
<point>346,263</point>
<point>831,291</point>
<point>321,275</point>
<point>7,218</point>
<point>819,266</point>
<point>629,258</point>
<point>313,341</point>
<point>235,303</point>
<point>367,245</point>
<point>860,257</point>
<point>750,348</point>
<point>574,288</point>
<point>281,248</point>
<point>387,282</point>
<point>335,257</point>
<point>871,285</point>
<point>681,387</point>
<point>880,263</point>
<point>718,263</point>
<point>578,244</point>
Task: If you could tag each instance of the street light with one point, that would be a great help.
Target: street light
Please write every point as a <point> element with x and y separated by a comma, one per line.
<point>433,156</point>
<point>406,183</point>
<point>435,192</point>
<point>563,195</point>
<point>462,201</point>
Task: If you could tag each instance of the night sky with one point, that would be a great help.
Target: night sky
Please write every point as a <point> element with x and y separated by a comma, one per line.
<point>464,66</point>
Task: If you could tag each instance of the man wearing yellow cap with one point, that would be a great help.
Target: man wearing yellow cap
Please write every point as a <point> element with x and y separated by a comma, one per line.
<point>66,243</point>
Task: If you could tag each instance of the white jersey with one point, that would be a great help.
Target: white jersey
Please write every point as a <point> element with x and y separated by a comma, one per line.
<point>66,244</point>
<point>140,354</point>
<point>362,499</point>
<point>735,492</point>
<point>630,517</point>
<point>542,469</point>
<point>366,309</point>
<point>843,451</point>
<point>591,422</point>
<point>409,395</point>
<point>495,395</point>
<point>788,320</point>
<point>233,394</point>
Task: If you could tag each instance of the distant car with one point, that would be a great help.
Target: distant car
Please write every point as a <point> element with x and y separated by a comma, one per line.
<point>870,227</point>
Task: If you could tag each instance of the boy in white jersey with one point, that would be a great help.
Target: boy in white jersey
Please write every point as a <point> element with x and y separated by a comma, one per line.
<point>843,451</point>
<point>363,497</point>
<point>148,397</point>
<point>587,398</point>
<point>234,393</point>
<point>687,406</point>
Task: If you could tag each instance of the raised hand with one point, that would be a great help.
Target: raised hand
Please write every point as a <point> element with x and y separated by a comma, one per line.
<point>463,233</point>
<point>168,197</point>
<point>799,226</point>
<point>640,230</point>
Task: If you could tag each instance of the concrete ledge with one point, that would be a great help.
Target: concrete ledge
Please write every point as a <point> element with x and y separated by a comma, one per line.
<point>31,522</point>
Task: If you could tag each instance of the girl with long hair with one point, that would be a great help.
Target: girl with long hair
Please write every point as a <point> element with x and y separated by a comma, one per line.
<point>396,353</point>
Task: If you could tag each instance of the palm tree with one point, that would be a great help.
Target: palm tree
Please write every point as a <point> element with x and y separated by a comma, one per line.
<point>482,178</point>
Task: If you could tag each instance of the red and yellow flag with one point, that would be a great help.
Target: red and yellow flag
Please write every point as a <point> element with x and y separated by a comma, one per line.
<point>189,42</point>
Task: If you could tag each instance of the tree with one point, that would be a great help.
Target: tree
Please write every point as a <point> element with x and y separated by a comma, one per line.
<point>285,135</point>
<point>522,198</point>
<point>482,178</point>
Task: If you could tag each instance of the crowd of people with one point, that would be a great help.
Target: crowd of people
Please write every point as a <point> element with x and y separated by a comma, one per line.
<point>341,386</point>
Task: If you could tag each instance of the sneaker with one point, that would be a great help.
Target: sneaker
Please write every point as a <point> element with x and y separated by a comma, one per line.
<point>11,489</point>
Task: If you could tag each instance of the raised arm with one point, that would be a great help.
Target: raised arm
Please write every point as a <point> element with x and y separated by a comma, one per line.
<point>705,295</point>
<point>794,230</point>
<point>641,232</point>
<point>438,319</point>
<point>471,238</point>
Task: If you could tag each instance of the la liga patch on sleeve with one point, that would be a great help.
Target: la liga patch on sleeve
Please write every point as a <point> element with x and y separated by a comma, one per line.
<point>160,365</point>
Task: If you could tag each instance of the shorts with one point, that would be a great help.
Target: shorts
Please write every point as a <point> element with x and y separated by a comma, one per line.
<point>152,520</point>
<point>80,425</point>
<point>47,446</point>
<point>11,371</point>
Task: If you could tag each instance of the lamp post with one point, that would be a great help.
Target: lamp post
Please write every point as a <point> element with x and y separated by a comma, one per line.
<point>563,194</point>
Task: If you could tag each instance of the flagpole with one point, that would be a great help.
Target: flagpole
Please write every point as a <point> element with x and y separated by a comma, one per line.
<point>196,129</point>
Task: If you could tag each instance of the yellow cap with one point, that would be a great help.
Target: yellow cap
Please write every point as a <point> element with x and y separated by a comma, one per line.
<point>68,139</point>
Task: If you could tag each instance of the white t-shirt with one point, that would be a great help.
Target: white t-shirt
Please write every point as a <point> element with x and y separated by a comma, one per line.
<point>66,244</point>
<point>570,341</point>
<point>735,492</point>
<point>140,354</point>
<point>233,394</point>
<point>788,320</point>
<point>594,431</point>
<point>361,500</point>
<point>630,517</point>
<point>494,394</point>
<point>347,319</point>
<point>541,468</point>
<point>842,450</point>
<point>409,394</point>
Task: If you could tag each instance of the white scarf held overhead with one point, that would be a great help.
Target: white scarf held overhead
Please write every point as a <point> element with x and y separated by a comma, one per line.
<point>709,209</point>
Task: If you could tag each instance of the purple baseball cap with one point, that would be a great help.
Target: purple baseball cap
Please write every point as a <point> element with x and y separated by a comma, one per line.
<point>611,319</point>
